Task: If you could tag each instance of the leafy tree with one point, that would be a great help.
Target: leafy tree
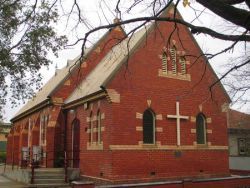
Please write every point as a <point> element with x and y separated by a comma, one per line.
<point>26,36</point>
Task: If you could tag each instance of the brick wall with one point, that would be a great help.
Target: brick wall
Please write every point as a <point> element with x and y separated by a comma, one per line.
<point>55,130</point>
<point>93,162</point>
<point>140,87</point>
<point>155,164</point>
<point>124,156</point>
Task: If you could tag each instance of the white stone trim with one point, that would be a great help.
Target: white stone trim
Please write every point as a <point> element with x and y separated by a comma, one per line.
<point>102,116</point>
<point>209,131</point>
<point>139,115</point>
<point>208,120</point>
<point>193,119</point>
<point>158,146</point>
<point>139,128</point>
<point>193,131</point>
<point>94,146</point>
<point>159,129</point>
<point>159,117</point>
<point>224,107</point>
<point>113,95</point>
<point>149,103</point>
<point>95,130</point>
<point>169,74</point>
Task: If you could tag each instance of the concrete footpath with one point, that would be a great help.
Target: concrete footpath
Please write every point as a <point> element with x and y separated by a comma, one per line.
<point>8,183</point>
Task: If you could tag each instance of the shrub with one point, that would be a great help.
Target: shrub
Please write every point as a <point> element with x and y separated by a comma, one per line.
<point>2,156</point>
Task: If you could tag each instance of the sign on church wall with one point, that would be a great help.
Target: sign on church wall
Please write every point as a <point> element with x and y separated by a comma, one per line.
<point>37,153</point>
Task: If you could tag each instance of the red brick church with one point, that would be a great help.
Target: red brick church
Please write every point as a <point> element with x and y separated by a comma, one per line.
<point>136,107</point>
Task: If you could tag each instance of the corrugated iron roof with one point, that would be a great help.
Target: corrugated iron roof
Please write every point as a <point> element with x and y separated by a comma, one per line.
<point>51,84</point>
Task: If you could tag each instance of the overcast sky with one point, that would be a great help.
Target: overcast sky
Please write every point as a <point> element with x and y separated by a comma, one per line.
<point>95,17</point>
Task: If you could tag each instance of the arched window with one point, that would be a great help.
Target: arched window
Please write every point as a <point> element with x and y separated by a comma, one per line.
<point>148,127</point>
<point>99,129</point>
<point>44,120</point>
<point>183,65</point>
<point>90,128</point>
<point>201,129</point>
<point>164,62</point>
<point>173,57</point>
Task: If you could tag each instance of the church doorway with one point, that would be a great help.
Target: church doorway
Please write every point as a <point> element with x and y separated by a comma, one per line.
<point>75,142</point>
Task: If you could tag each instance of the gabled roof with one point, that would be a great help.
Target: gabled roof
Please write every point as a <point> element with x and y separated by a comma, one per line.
<point>44,93</point>
<point>51,86</point>
<point>108,66</point>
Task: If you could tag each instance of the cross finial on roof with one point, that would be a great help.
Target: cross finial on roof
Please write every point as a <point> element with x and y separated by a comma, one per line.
<point>116,20</point>
<point>56,68</point>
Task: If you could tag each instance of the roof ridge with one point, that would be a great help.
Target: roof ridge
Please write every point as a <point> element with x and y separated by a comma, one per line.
<point>108,66</point>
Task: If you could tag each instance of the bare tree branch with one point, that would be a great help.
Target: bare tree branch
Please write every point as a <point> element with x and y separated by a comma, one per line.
<point>235,15</point>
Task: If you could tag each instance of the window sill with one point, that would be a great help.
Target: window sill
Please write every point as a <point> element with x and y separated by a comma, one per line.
<point>95,146</point>
<point>149,145</point>
<point>202,145</point>
<point>177,76</point>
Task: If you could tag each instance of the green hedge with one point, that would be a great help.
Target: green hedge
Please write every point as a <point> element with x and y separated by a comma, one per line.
<point>3,145</point>
<point>2,156</point>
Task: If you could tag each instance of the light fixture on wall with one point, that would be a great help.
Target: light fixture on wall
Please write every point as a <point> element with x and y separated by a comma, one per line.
<point>72,111</point>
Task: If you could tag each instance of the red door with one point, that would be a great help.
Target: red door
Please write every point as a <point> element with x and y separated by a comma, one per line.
<point>76,143</point>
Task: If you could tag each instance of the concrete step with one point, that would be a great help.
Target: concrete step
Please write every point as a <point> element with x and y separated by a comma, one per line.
<point>49,185</point>
<point>51,181</point>
<point>60,170</point>
<point>49,169</point>
<point>49,176</point>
